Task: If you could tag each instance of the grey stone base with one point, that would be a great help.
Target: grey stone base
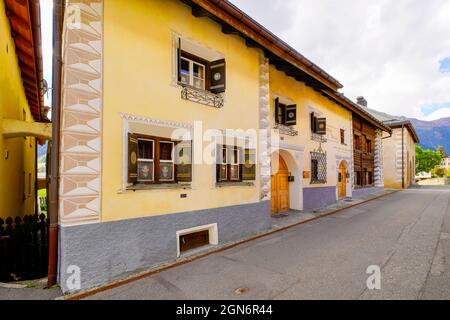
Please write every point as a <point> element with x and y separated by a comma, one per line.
<point>111,250</point>
<point>317,198</point>
<point>358,193</point>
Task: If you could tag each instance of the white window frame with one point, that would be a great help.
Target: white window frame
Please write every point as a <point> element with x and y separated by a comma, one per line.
<point>224,163</point>
<point>235,148</point>
<point>147,160</point>
<point>191,72</point>
<point>168,161</point>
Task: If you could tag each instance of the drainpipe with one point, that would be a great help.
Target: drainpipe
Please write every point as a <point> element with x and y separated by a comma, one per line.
<point>54,176</point>
<point>403,156</point>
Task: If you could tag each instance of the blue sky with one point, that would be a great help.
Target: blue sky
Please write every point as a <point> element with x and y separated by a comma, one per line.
<point>395,53</point>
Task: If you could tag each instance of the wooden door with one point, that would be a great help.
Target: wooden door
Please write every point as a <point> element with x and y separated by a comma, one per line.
<point>280,201</point>
<point>342,181</point>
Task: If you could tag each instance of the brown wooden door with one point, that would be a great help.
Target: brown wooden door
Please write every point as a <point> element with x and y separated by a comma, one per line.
<point>342,181</point>
<point>280,201</point>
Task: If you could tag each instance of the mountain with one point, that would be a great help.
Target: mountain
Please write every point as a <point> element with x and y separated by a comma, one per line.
<point>433,133</point>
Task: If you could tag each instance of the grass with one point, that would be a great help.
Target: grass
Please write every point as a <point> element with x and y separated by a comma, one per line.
<point>42,193</point>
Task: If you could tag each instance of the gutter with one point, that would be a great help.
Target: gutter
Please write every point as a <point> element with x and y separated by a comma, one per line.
<point>403,156</point>
<point>58,9</point>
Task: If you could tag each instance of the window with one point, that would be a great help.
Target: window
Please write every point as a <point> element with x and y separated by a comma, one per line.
<point>318,125</point>
<point>318,168</point>
<point>146,165</point>
<point>235,164</point>
<point>192,73</point>
<point>285,114</point>
<point>200,73</point>
<point>342,136</point>
<point>357,142</point>
<point>152,160</point>
<point>368,146</point>
<point>229,164</point>
<point>358,178</point>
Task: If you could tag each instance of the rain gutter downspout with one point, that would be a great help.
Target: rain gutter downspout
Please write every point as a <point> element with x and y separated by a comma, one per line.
<point>403,156</point>
<point>54,176</point>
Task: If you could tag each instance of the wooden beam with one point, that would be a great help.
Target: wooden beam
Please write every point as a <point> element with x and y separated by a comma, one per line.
<point>18,128</point>
<point>199,12</point>
<point>251,44</point>
<point>227,29</point>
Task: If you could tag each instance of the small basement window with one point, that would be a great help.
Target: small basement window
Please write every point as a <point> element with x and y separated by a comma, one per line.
<point>194,238</point>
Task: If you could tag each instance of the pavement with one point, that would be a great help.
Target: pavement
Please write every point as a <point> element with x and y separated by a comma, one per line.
<point>406,234</point>
<point>316,255</point>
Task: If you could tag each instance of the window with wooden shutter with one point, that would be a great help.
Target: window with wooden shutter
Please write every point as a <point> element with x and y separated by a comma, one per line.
<point>179,60</point>
<point>218,77</point>
<point>249,165</point>
<point>132,158</point>
<point>321,126</point>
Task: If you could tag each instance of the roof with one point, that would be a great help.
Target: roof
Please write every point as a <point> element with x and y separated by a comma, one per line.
<point>24,18</point>
<point>284,57</point>
<point>394,122</point>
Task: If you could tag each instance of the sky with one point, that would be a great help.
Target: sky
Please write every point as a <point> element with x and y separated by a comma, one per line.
<point>47,43</point>
<point>395,53</point>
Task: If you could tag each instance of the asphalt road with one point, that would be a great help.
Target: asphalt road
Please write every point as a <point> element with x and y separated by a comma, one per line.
<point>406,234</point>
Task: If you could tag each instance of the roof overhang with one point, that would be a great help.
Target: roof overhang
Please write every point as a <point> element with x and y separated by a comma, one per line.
<point>407,124</point>
<point>284,57</point>
<point>24,18</point>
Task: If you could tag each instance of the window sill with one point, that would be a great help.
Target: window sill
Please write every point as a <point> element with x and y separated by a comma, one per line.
<point>167,186</point>
<point>234,184</point>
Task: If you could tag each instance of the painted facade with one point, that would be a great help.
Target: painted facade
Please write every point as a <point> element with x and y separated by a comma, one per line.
<point>17,148</point>
<point>297,150</point>
<point>168,133</point>
<point>119,80</point>
<point>399,159</point>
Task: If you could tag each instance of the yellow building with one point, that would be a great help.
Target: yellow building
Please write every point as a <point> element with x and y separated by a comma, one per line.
<point>167,132</point>
<point>399,151</point>
<point>21,100</point>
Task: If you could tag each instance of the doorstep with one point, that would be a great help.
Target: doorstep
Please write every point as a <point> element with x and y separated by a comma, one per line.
<point>292,219</point>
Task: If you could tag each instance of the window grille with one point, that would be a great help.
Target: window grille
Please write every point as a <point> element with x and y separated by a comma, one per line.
<point>318,167</point>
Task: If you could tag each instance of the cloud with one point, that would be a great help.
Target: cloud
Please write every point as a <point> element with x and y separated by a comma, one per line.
<point>438,114</point>
<point>388,51</point>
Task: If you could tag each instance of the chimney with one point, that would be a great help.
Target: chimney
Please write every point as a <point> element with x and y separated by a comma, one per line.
<point>362,101</point>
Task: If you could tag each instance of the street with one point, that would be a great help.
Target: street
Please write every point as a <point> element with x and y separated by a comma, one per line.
<point>406,234</point>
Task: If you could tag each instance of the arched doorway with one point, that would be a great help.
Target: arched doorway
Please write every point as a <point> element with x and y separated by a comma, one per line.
<point>342,180</point>
<point>280,201</point>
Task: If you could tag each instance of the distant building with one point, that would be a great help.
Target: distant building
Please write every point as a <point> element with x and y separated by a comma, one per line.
<point>446,163</point>
<point>399,153</point>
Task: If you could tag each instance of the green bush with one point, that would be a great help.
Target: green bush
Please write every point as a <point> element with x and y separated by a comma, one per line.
<point>438,172</point>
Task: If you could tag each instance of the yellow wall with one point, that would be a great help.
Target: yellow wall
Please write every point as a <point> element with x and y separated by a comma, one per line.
<point>14,171</point>
<point>137,81</point>
<point>337,117</point>
<point>392,159</point>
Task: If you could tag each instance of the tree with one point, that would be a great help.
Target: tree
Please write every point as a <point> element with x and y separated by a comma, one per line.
<point>438,171</point>
<point>426,160</point>
<point>441,152</point>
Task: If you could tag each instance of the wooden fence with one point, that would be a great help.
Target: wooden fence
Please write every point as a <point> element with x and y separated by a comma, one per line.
<point>23,248</point>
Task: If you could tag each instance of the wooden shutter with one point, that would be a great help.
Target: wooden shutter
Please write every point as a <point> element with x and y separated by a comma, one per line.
<point>277,108</point>
<point>249,165</point>
<point>183,151</point>
<point>179,59</point>
<point>217,76</point>
<point>132,158</point>
<point>291,115</point>
<point>321,126</point>
<point>218,161</point>
<point>313,122</point>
